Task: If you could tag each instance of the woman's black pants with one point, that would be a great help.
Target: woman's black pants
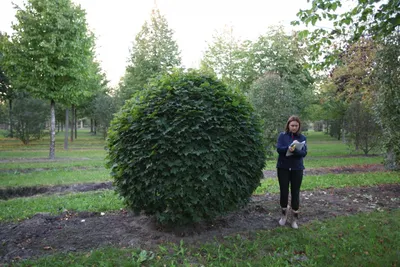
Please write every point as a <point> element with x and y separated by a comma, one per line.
<point>294,178</point>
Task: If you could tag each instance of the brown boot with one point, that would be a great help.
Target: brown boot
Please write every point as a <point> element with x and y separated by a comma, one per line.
<point>283,219</point>
<point>295,217</point>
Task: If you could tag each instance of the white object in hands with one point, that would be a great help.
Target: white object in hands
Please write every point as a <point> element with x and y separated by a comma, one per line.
<point>298,147</point>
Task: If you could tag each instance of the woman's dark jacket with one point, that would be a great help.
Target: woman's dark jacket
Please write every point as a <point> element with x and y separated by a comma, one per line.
<point>295,161</point>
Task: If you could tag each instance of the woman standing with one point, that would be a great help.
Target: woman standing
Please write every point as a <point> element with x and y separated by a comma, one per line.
<point>290,168</point>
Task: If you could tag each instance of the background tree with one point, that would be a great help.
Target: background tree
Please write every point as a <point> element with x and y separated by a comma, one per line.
<point>375,18</point>
<point>51,46</point>
<point>30,117</point>
<point>224,56</point>
<point>154,51</point>
<point>379,20</point>
<point>95,83</point>
<point>285,55</point>
<point>387,101</point>
<point>362,132</point>
<point>352,77</point>
<point>354,91</point>
<point>104,106</point>
<point>6,91</point>
<point>239,64</point>
<point>4,120</point>
<point>334,109</point>
<point>274,103</point>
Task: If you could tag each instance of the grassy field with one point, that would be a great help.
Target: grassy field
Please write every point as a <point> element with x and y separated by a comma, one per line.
<point>360,240</point>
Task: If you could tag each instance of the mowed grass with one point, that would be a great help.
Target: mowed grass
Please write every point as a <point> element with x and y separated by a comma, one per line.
<point>54,165</point>
<point>23,208</point>
<point>85,140</point>
<point>329,162</point>
<point>53,177</point>
<point>362,240</point>
<point>313,182</point>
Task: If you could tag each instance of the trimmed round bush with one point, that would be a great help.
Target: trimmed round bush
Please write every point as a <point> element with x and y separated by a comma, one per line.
<point>186,149</point>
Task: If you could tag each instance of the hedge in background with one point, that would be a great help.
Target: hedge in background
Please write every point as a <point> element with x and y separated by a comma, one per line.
<point>186,149</point>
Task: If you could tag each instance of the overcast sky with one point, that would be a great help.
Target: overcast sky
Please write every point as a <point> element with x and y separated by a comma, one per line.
<point>116,23</point>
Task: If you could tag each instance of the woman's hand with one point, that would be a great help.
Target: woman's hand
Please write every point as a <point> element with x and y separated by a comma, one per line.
<point>292,148</point>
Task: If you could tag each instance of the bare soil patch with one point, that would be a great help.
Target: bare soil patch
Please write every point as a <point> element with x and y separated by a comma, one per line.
<point>70,232</point>
<point>13,192</point>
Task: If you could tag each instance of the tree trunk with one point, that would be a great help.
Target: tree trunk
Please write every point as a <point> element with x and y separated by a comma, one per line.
<point>344,132</point>
<point>11,118</point>
<point>72,123</point>
<point>91,125</point>
<point>52,153</point>
<point>95,127</point>
<point>66,130</point>
<point>390,160</point>
<point>76,124</point>
<point>105,133</point>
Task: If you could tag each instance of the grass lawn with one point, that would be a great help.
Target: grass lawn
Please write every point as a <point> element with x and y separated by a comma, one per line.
<point>54,177</point>
<point>369,239</point>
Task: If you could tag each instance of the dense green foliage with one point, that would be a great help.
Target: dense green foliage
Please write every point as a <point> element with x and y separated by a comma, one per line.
<point>186,149</point>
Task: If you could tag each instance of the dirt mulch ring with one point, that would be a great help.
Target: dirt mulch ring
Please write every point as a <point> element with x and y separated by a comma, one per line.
<point>72,232</point>
<point>12,192</point>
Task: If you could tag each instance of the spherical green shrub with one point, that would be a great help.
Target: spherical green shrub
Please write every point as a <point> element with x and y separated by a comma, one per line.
<point>186,149</point>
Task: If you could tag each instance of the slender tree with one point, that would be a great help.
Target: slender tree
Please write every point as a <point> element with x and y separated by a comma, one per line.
<point>224,56</point>
<point>52,48</point>
<point>272,99</point>
<point>154,51</point>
